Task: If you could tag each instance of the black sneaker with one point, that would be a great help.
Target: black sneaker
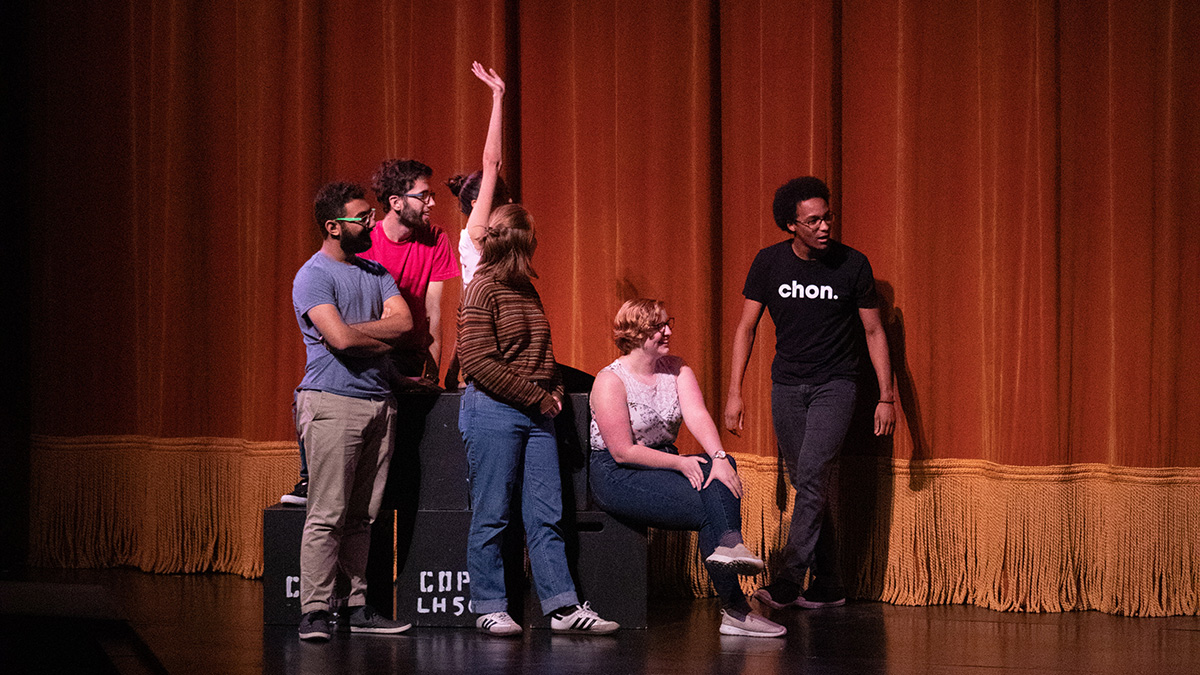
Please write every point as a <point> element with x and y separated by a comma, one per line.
<point>365,619</point>
<point>298,496</point>
<point>316,626</point>
<point>817,597</point>
<point>779,594</point>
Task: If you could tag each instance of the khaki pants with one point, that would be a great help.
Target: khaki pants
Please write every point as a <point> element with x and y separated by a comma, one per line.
<point>349,446</point>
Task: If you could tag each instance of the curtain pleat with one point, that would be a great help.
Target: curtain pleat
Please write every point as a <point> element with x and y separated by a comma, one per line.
<point>1021,176</point>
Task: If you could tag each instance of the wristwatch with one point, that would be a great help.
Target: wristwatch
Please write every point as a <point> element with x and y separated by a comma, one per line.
<point>720,454</point>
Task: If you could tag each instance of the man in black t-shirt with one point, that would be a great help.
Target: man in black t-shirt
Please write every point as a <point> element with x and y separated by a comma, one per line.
<point>819,292</point>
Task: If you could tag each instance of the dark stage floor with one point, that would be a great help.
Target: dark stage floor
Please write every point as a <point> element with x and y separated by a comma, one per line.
<point>124,621</point>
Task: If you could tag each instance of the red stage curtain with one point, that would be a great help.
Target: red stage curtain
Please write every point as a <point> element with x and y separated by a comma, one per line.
<point>1022,176</point>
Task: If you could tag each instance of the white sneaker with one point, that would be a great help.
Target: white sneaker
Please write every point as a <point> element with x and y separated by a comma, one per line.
<point>498,623</point>
<point>749,625</point>
<point>583,620</point>
<point>737,559</point>
<point>298,496</point>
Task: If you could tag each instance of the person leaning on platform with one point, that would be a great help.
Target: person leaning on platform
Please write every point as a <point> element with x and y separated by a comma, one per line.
<point>350,313</point>
<point>638,403</point>
<point>514,390</point>
<point>818,292</point>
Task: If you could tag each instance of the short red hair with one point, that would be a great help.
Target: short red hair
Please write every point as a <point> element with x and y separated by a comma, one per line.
<point>637,320</point>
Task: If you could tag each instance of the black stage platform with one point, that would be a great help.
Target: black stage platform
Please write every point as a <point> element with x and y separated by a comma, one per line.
<point>125,621</point>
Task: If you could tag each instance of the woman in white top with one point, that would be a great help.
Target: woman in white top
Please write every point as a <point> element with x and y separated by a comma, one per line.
<point>480,191</point>
<point>477,194</point>
<point>638,404</point>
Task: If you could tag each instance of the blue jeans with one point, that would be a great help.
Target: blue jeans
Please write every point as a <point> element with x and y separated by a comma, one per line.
<point>665,499</point>
<point>811,421</point>
<point>508,449</point>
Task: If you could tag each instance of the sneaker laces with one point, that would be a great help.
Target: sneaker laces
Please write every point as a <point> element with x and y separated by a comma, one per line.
<point>586,610</point>
<point>493,618</point>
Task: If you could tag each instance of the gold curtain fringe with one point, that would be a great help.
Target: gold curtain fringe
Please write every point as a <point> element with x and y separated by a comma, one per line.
<point>158,504</point>
<point>1121,540</point>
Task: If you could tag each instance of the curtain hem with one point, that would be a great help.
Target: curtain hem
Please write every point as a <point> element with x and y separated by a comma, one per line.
<point>1121,540</point>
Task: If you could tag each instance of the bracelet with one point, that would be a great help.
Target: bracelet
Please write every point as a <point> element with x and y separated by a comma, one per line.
<point>888,402</point>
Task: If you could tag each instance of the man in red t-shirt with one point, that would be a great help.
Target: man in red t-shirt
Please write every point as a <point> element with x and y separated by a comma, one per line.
<point>418,256</point>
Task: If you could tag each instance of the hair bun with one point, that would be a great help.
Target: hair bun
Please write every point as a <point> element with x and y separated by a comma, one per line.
<point>456,183</point>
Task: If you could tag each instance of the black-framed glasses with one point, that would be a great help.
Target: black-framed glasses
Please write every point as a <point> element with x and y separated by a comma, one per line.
<point>829,217</point>
<point>424,195</point>
<point>361,220</point>
<point>660,327</point>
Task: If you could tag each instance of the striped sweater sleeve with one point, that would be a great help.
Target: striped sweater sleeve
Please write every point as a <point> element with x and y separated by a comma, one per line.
<point>504,343</point>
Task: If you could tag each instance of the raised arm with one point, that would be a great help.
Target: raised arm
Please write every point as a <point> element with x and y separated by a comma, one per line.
<point>492,156</point>
<point>743,344</point>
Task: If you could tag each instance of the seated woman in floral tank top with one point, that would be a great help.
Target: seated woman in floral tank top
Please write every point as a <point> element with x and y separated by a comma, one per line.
<point>638,403</point>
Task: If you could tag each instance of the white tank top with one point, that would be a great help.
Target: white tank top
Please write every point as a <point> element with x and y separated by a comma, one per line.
<point>654,412</point>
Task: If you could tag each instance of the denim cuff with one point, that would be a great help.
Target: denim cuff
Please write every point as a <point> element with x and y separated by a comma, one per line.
<point>565,599</point>
<point>489,606</point>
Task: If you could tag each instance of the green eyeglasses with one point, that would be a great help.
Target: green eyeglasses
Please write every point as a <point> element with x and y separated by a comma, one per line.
<point>361,220</point>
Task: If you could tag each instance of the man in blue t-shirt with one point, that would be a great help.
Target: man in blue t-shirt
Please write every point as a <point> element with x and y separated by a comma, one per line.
<point>820,293</point>
<point>350,314</point>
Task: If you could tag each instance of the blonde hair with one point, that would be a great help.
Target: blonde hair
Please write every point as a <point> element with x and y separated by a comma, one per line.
<point>636,320</point>
<point>508,244</point>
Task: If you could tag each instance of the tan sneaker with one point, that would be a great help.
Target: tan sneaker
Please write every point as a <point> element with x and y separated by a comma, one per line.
<point>737,559</point>
<point>749,625</point>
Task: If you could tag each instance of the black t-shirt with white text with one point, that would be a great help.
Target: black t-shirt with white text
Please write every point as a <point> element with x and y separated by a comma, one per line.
<point>814,304</point>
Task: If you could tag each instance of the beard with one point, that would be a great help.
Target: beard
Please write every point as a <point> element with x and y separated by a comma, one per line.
<point>353,245</point>
<point>412,217</point>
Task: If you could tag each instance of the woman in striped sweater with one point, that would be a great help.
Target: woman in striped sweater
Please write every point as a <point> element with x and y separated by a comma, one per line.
<point>513,392</point>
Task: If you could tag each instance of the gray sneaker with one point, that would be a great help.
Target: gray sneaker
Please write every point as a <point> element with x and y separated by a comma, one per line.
<point>737,559</point>
<point>749,625</point>
<point>316,626</point>
<point>365,619</point>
